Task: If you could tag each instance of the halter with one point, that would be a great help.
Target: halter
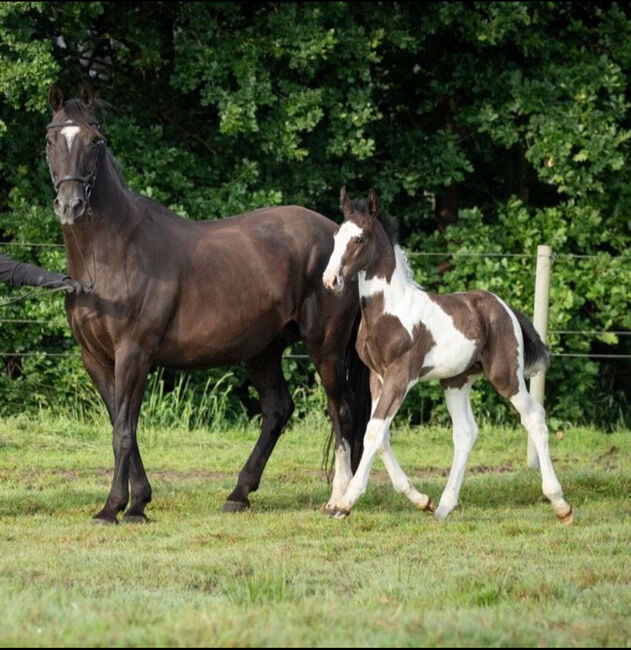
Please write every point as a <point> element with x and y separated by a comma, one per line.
<point>88,180</point>
<point>87,183</point>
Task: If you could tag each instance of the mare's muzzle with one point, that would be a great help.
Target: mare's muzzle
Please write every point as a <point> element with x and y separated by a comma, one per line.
<point>70,203</point>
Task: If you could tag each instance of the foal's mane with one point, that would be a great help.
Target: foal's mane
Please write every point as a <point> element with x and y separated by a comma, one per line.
<point>391,228</point>
<point>389,224</point>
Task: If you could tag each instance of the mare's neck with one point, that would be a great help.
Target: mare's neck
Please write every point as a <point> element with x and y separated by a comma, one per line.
<point>97,238</point>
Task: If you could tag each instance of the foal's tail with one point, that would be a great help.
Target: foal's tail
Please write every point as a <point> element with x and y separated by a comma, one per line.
<point>358,395</point>
<point>536,352</point>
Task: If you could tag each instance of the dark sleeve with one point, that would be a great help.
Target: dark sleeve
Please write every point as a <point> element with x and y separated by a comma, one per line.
<point>19,273</point>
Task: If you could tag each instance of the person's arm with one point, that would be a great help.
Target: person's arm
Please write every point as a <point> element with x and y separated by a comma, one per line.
<point>18,274</point>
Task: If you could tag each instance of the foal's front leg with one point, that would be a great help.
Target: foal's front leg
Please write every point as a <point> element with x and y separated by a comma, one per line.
<point>390,398</point>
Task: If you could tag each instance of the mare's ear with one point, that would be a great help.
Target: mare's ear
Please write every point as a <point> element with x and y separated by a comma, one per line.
<point>86,95</point>
<point>345,203</point>
<point>55,97</point>
<point>373,203</point>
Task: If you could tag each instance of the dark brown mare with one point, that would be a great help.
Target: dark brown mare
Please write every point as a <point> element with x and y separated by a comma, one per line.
<point>183,294</point>
<point>408,335</point>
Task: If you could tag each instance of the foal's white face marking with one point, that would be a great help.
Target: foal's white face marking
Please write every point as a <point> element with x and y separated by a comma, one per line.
<point>69,132</point>
<point>333,270</point>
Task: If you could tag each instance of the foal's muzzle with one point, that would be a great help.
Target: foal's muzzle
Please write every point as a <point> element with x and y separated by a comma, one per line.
<point>333,281</point>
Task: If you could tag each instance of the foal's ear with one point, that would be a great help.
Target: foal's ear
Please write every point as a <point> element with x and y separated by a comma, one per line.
<point>345,203</point>
<point>87,95</point>
<point>55,96</point>
<point>373,203</point>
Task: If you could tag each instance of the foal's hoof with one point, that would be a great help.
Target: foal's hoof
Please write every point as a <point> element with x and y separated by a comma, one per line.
<point>338,513</point>
<point>235,506</point>
<point>429,508</point>
<point>135,519</point>
<point>567,518</point>
<point>442,513</point>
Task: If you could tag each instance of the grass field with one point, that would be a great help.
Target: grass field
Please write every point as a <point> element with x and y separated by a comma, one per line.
<point>500,572</point>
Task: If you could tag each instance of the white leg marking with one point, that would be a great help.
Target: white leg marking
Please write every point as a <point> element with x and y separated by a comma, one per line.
<point>398,477</point>
<point>533,458</point>
<point>465,432</point>
<point>373,441</point>
<point>343,474</point>
<point>533,419</point>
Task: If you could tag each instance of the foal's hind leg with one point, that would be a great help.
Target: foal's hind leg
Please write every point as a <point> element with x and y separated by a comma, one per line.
<point>276,406</point>
<point>533,419</point>
<point>465,432</point>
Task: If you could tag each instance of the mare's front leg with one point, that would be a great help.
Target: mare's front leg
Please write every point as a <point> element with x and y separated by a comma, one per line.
<point>390,397</point>
<point>276,406</point>
<point>102,374</point>
<point>130,375</point>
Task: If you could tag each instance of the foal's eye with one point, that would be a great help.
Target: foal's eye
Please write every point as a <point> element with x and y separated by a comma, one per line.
<point>49,142</point>
<point>96,139</point>
<point>360,239</point>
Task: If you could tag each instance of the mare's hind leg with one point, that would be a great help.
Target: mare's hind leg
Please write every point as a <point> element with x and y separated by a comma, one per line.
<point>533,419</point>
<point>102,374</point>
<point>276,406</point>
<point>465,432</point>
<point>328,351</point>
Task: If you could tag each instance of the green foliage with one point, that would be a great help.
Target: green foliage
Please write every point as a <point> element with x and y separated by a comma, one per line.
<point>216,108</point>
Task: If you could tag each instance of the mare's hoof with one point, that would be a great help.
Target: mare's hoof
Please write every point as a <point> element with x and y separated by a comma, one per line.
<point>235,506</point>
<point>338,513</point>
<point>104,521</point>
<point>567,518</point>
<point>135,519</point>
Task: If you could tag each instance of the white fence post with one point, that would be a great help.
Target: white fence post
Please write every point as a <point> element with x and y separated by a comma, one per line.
<point>540,321</point>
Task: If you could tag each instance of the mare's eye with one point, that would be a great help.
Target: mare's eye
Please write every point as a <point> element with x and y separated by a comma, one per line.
<point>49,142</point>
<point>360,239</point>
<point>96,139</point>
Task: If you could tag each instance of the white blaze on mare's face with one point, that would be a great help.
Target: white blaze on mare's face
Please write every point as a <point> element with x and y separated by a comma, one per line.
<point>69,132</point>
<point>347,231</point>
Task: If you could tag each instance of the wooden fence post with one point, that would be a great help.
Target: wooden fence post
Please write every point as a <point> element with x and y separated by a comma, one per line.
<point>540,321</point>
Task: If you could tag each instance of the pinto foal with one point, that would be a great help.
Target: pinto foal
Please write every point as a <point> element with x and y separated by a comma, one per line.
<point>408,334</point>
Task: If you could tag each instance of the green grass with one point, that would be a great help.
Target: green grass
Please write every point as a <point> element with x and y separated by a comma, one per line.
<point>500,572</point>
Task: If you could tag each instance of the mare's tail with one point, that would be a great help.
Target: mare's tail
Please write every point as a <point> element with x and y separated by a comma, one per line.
<point>358,376</point>
<point>358,395</point>
<point>536,352</point>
